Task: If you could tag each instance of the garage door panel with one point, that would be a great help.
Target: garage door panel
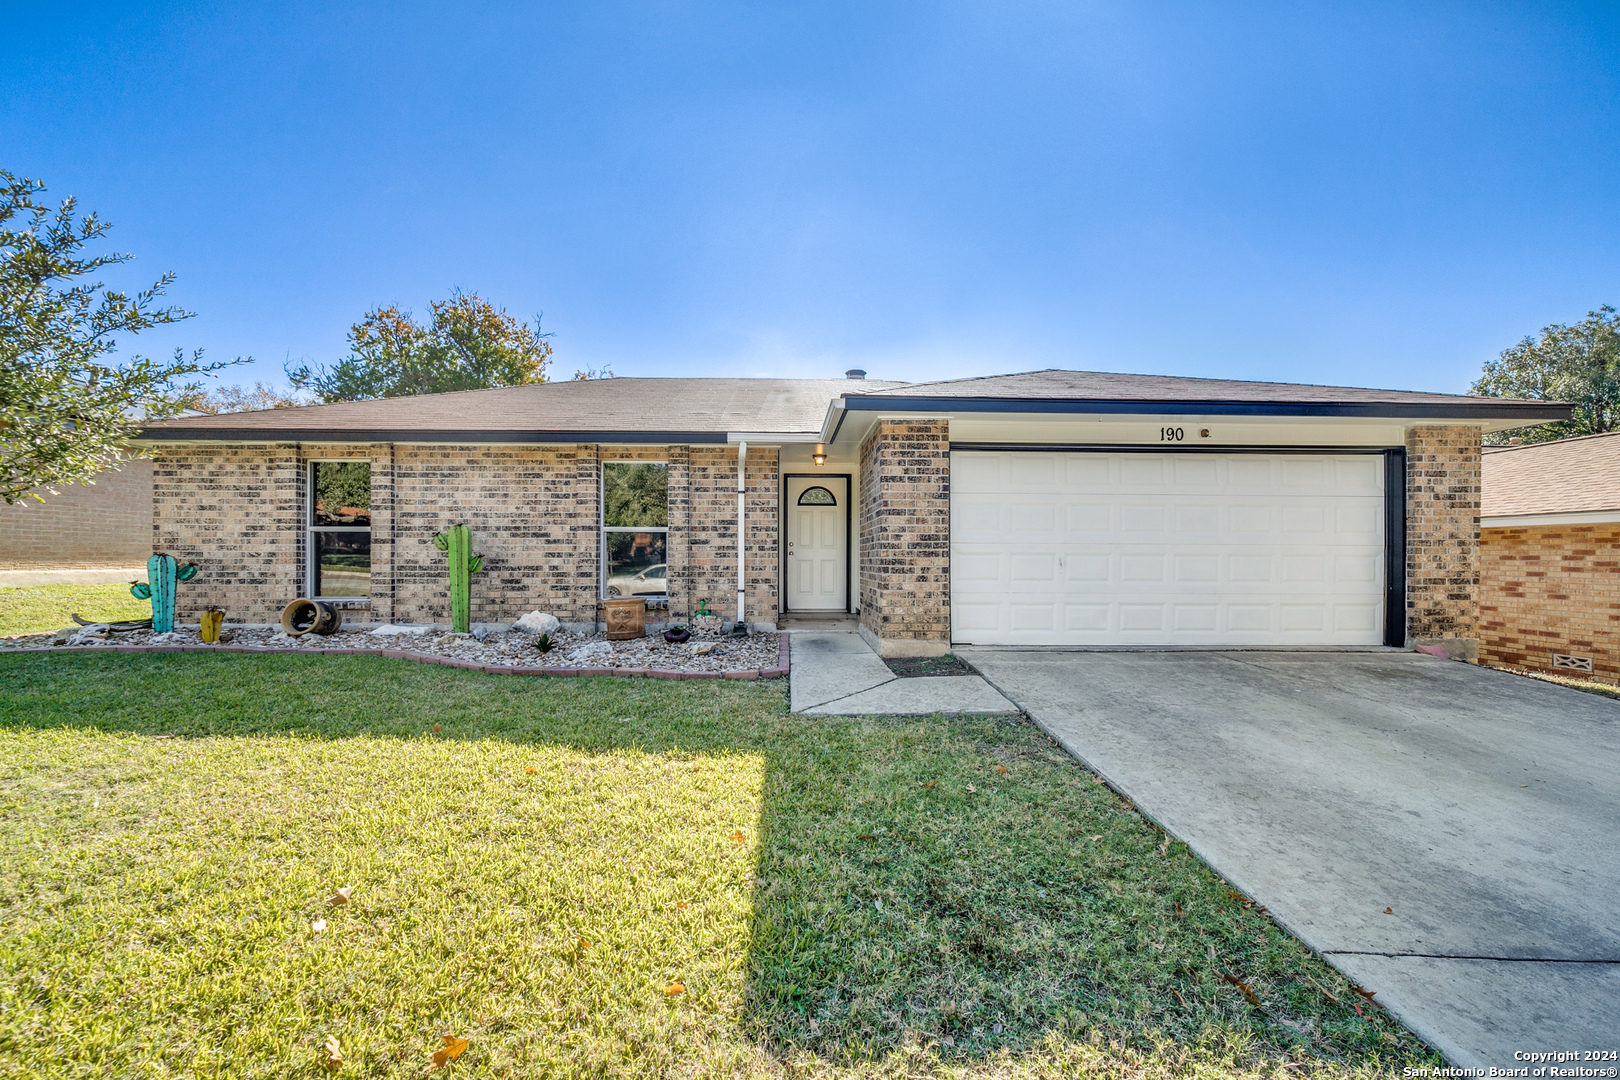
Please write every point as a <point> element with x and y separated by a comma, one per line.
<point>1228,549</point>
<point>1086,472</point>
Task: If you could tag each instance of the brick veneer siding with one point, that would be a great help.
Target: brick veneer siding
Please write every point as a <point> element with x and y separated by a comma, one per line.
<point>1549,589</point>
<point>711,566</point>
<point>234,511</point>
<point>238,512</point>
<point>905,531</point>
<point>1442,537</point>
<point>107,523</point>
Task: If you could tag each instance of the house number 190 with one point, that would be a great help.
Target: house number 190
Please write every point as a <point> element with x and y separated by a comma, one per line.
<point>1171,434</point>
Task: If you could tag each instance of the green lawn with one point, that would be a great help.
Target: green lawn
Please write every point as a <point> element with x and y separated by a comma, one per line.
<point>941,897</point>
<point>40,609</point>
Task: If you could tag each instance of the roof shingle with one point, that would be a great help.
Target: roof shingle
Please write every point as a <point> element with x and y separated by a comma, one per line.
<point>1564,477</point>
<point>1059,385</point>
<point>596,407</point>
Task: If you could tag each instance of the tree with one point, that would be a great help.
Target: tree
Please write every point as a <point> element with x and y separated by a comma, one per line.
<point>66,411</point>
<point>233,399</point>
<point>468,345</point>
<point>1579,364</point>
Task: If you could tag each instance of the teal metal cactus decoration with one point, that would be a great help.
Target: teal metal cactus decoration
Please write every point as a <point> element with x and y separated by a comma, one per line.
<point>456,541</point>
<point>163,577</point>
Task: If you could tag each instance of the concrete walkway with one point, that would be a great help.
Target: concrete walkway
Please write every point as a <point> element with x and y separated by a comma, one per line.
<point>835,673</point>
<point>1480,808</point>
<point>22,579</point>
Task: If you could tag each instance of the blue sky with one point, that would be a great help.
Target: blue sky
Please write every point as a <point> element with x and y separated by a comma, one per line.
<point>1361,193</point>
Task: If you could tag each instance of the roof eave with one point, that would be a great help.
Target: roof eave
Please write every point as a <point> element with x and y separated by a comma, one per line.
<point>411,436</point>
<point>1536,412</point>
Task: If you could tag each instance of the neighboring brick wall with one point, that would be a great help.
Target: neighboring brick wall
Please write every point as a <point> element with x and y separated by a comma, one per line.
<point>905,531</point>
<point>1549,589</point>
<point>235,512</point>
<point>238,512</point>
<point>83,526</point>
<point>1442,537</point>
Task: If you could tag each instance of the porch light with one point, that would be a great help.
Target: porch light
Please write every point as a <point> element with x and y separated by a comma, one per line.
<point>820,456</point>
<point>820,459</point>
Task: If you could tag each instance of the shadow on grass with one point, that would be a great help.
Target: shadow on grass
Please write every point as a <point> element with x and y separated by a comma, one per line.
<point>950,881</point>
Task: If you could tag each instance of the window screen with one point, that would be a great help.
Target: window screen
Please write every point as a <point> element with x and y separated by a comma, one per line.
<point>635,529</point>
<point>340,529</point>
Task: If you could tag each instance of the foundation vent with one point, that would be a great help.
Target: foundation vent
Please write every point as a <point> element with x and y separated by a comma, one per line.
<point>1565,662</point>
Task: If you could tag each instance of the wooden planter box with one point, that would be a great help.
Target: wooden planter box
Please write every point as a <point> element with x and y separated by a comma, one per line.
<point>626,618</point>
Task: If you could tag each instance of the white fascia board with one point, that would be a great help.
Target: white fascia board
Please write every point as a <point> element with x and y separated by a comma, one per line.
<point>771,438</point>
<point>829,423</point>
<point>1579,517</point>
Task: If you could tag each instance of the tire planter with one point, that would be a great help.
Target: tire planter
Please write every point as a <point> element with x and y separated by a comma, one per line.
<point>306,616</point>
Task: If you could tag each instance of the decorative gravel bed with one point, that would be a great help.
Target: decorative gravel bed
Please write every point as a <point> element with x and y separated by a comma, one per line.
<point>705,656</point>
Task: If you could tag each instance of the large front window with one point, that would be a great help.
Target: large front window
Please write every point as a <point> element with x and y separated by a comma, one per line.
<point>340,529</point>
<point>635,529</point>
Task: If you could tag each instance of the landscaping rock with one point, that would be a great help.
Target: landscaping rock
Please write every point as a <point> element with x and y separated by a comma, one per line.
<point>592,651</point>
<point>397,630</point>
<point>499,649</point>
<point>705,648</point>
<point>537,623</point>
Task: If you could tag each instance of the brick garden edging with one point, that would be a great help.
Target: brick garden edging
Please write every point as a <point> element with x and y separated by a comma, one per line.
<point>777,672</point>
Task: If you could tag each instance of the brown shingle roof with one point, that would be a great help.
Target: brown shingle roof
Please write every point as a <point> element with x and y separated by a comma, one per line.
<point>1564,477</point>
<point>1058,385</point>
<point>595,410</point>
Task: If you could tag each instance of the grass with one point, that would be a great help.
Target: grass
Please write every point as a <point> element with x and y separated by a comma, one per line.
<point>536,863</point>
<point>40,609</point>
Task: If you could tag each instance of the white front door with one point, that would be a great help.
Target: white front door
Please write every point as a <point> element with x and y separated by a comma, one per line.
<point>818,543</point>
<point>1101,548</point>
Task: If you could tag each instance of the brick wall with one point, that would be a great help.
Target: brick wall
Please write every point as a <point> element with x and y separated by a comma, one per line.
<point>1442,537</point>
<point>905,531</point>
<point>712,555</point>
<point>84,526</point>
<point>1549,589</point>
<point>234,511</point>
<point>532,511</point>
<point>239,513</point>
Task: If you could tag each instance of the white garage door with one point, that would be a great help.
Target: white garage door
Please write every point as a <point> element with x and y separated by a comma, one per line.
<point>1166,549</point>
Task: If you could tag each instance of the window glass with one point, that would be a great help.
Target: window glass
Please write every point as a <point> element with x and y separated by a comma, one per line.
<point>637,564</point>
<point>635,494</point>
<point>817,496</point>
<point>341,493</point>
<point>342,563</point>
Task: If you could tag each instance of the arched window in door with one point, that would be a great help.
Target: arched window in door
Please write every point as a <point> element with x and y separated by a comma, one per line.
<point>817,496</point>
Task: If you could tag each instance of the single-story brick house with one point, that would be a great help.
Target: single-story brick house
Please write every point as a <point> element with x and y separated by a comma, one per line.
<point>1550,556</point>
<point>1045,508</point>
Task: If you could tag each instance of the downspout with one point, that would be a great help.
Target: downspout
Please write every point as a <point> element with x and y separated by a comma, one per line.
<point>742,469</point>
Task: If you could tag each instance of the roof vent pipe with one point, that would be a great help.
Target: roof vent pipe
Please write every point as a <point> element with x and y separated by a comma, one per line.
<point>854,373</point>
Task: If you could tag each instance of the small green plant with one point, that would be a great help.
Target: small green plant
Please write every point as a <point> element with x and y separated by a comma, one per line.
<point>456,541</point>
<point>544,643</point>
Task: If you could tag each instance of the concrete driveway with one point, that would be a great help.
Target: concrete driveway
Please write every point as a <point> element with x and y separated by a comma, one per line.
<point>1482,808</point>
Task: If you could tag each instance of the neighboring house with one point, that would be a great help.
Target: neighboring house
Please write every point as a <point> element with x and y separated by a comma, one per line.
<point>1047,508</point>
<point>104,525</point>
<point>1550,556</point>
